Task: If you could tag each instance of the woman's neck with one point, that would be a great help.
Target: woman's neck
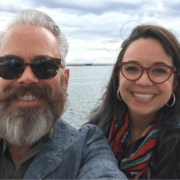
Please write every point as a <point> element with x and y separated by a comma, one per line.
<point>139,123</point>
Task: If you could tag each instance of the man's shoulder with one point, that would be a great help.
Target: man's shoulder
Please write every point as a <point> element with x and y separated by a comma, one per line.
<point>61,124</point>
<point>65,136</point>
<point>85,132</point>
<point>84,140</point>
<point>72,153</point>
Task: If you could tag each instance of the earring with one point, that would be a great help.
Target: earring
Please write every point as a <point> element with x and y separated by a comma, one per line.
<point>174,99</point>
<point>118,94</point>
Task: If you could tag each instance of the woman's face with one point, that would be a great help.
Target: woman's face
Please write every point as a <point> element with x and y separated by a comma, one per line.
<point>143,97</point>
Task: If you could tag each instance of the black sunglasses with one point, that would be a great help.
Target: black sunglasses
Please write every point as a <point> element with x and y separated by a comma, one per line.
<point>44,67</point>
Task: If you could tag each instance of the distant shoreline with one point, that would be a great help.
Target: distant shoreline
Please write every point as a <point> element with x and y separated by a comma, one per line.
<point>90,64</point>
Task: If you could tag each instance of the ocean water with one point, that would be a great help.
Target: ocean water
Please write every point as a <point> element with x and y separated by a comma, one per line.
<point>86,86</point>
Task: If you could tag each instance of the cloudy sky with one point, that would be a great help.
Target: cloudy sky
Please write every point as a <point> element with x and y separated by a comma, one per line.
<point>95,29</point>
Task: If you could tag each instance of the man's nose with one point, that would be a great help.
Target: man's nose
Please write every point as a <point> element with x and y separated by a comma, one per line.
<point>144,80</point>
<point>27,77</point>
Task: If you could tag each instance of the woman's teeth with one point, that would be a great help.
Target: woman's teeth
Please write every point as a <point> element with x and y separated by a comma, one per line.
<point>144,96</point>
<point>27,98</point>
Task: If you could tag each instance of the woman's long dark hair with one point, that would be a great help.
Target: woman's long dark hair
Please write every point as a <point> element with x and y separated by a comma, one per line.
<point>167,163</point>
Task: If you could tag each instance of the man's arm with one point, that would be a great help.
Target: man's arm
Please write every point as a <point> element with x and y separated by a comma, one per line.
<point>98,159</point>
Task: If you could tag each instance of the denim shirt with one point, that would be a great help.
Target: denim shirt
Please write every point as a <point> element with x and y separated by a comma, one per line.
<point>74,154</point>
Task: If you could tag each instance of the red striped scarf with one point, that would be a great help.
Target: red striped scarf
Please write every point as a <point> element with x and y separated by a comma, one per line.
<point>139,163</point>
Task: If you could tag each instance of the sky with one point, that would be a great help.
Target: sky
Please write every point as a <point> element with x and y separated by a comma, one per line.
<point>95,29</point>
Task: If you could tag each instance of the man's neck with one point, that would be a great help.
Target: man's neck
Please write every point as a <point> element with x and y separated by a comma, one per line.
<point>18,152</point>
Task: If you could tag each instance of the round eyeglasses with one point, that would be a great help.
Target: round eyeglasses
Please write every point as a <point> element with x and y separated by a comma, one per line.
<point>157,73</point>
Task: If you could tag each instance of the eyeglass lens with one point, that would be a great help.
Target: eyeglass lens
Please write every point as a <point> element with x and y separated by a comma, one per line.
<point>157,73</point>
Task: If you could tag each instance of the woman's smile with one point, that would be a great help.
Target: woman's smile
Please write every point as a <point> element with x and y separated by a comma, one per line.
<point>144,96</point>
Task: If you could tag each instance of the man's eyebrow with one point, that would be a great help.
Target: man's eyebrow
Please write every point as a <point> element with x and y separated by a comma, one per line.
<point>9,55</point>
<point>21,58</point>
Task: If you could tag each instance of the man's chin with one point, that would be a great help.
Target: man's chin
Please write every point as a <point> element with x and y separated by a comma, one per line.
<point>25,127</point>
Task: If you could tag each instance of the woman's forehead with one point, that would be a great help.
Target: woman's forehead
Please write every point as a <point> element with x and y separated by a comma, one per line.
<point>147,52</point>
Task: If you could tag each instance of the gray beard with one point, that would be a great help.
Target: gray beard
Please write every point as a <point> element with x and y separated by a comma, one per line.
<point>27,126</point>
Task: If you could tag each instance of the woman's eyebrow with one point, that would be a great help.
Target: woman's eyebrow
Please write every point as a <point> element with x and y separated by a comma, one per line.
<point>155,63</point>
<point>160,62</point>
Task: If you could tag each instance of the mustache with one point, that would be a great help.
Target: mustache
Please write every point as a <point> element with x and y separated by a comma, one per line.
<point>36,90</point>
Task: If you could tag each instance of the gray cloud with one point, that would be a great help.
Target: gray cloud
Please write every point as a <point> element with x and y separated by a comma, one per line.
<point>97,28</point>
<point>95,9</point>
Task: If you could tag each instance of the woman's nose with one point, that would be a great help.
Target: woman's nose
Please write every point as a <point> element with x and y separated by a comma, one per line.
<point>144,80</point>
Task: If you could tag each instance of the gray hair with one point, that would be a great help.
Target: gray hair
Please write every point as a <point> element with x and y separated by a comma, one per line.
<point>38,18</point>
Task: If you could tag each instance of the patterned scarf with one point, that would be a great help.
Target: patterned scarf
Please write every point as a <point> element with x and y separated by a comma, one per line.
<point>138,162</point>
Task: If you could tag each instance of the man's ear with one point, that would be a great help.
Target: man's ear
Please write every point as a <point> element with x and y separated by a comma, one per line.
<point>66,77</point>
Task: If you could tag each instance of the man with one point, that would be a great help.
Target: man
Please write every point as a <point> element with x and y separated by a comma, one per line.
<point>33,85</point>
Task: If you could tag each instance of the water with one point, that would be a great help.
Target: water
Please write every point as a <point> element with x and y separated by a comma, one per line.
<point>86,86</point>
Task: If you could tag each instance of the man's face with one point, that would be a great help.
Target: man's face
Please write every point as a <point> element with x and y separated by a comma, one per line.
<point>28,99</point>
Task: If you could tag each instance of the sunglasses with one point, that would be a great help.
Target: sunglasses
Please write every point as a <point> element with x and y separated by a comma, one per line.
<point>44,67</point>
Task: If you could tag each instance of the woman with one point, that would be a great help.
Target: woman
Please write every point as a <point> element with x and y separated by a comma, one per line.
<point>139,112</point>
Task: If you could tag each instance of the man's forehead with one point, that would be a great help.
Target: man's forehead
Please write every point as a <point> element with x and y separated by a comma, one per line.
<point>26,29</point>
<point>24,35</point>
